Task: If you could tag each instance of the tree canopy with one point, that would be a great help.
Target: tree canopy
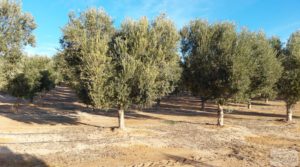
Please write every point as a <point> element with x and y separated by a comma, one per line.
<point>145,60</point>
<point>85,46</point>
<point>266,67</point>
<point>289,83</point>
<point>15,32</point>
<point>225,65</point>
<point>135,64</point>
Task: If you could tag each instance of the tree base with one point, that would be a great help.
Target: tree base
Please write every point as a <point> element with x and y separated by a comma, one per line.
<point>220,116</point>
<point>121,119</point>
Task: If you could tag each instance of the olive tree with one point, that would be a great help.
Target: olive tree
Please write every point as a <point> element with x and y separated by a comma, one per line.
<point>63,73</point>
<point>195,41</point>
<point>134,68</point>
<point>19,87</point>
<point>117,69</point>
<point>36,76</point>
<point>39,70</point>
<point>217,61</point>
<point>266,68</point>
<point>146,65</point>
<point>289,83</point>
<point>15,32</point>
<point>164,39</point>
<point>85,46</point>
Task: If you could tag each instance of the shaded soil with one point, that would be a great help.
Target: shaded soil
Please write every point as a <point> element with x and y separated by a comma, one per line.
<point>57,130</point>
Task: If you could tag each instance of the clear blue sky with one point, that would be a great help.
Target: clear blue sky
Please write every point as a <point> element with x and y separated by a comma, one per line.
<point>274,17</point>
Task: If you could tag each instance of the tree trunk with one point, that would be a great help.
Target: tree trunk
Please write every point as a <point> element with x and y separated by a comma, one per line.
<point>267,100</point>
<point>289,113</point>
<point>249,104</point>
<point>18,104</point>
<point>121,119</point>
<point>17,107</point>
<point>203,105</point>
<point>157,104</point>
<point>220,115</point>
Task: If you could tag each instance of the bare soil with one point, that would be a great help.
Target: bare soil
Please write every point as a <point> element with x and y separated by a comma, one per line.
<point>57,130</point>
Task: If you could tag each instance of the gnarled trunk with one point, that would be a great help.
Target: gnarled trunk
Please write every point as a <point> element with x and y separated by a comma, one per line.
<point>249,104</point>
<point>220,115</point>
<point>289,113</point>
<point>121,119</point>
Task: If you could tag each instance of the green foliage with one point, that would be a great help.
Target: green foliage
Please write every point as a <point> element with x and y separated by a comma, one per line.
<point>15,32</point>
<point>215,60</point>
<point>36,78</point>
<point>277,46</point>
<point>3,75</point>
<point>196,38</point>
<point>21,76</point>
<point>293,46</point>
<point>165,40</point>
<point>46,81</point>
<point>289,86</point>
<point>16,27</point>
<point>182,84</point>
<point>39,72</point>
<point>37,75</point>
<point>134,69</point>
<point>267,68</point>
<point>30,81</point>
<point>32,68</point>
<point>63,73</point>
<point>85,46</point>
<point>19,86</point>
<point>289,83</point>
<point>136,65</point>
<point>225,65</point>
<point>145,60</point>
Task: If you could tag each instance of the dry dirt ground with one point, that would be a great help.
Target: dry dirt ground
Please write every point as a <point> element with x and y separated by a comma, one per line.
<point>56,130</point>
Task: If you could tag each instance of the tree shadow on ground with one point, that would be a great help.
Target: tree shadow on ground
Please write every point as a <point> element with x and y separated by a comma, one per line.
<point>169,110</point>
<point>238,105</point>
<point>169,106</point>
<point>187,161</point>
<point>11,159</point>
<point>253,113</point>
<point>261,103</point>
<point>52,108</point>
<point>175,107</point>
<point>129,114</point>
<point>33,114</point>
<point>61,105</point>
<point>60,98</point>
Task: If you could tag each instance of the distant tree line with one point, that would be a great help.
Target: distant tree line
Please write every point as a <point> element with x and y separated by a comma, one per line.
<point>140,62</point>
